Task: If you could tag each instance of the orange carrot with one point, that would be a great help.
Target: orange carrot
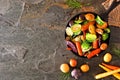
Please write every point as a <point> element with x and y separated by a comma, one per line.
<point>79,49</point>
<point>102,26</point>
<point>91,22</point>
<point>95,44</point>
<point>93,53</point>
<point>86,26</point>
<point>68,48</point>
<point>84,35</point>
<point>110,66</point>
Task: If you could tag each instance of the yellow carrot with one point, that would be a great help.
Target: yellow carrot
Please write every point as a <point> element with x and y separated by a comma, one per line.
<point>117,75</point>
<point>102,75</point>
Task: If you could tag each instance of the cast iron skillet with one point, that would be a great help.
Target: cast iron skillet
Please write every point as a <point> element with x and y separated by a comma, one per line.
<point>104,17</point>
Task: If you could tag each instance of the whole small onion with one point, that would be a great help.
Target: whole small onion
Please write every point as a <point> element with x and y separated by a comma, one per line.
<point>75,73</point>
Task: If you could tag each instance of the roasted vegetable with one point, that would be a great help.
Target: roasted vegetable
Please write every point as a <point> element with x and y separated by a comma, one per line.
<point>76,29</point>
<point>78,21</point>
<point>86,24</point>
<point>99,40</point>
<point>93,53</point>
<point>90,17</point>
<point>71,23</point>
<point>99,21</point>
<point>95,44</point>
<point>103,46</point>
<point>79,49</point>
<point>107,30</point>
<point>78,38</point>
<point>72,46</point>
<point>92,29</point>
<point>102,26</point>
<point>99,31</point>
<point>105,36</point>
<point>85,46</point>
<point>90,37</point>
<point>69,31</point>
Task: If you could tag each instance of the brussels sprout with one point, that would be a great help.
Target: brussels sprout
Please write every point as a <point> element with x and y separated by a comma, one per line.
<point>85,46</point>
<point>105,36</point>
<point>90,37</point>
<point>76,33</point>
<point>99,20</point>
<point>107,30</point>
<point>76,27</point>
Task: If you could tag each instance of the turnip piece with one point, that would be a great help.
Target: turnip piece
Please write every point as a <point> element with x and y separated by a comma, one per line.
<point>76,73</point>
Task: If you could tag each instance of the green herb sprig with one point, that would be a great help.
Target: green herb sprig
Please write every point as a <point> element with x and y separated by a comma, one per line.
<point>116,51</point>
<point>73,3</point>
<point>65,76</point>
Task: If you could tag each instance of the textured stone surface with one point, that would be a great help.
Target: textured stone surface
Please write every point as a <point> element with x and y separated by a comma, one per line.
<point>32,45</point>
<point>11,11</point>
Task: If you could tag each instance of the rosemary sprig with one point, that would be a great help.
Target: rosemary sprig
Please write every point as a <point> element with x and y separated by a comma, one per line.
<point>116,51</point>
<point>65,76</point>
<point>73,3</point>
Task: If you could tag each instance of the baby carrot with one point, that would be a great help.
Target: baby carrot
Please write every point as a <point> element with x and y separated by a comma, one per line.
<point>93,53</point>
<point>86,26</point>
<point>110,66</point>
<point>117,75</point>
<point>95,44</point>
<point>84,35</point>
<point>79,49</point>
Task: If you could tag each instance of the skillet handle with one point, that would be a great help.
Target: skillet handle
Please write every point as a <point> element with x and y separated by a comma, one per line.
<point>113,5</point>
